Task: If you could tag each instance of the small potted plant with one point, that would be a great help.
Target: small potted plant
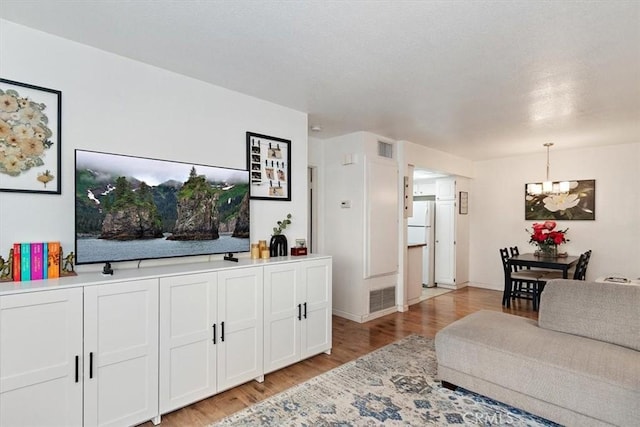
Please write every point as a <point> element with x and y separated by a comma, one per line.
<point>278,243</point>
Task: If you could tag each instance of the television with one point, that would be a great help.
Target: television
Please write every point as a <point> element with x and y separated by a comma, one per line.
<point>131,208</point>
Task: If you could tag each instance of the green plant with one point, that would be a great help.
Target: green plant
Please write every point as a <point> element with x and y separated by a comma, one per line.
<point>282,225</point>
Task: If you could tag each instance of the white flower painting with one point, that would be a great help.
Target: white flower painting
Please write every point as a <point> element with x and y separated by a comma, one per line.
<point>576,204</point>
<point>29,138</point>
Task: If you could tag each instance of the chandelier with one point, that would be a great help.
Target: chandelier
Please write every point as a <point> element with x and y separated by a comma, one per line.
<point>548,186</point>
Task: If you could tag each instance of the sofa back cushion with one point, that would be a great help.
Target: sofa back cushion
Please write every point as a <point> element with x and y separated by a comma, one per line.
<point>608,312</point>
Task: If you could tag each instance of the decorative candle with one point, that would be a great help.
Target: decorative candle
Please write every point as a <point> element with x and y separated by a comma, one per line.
<point>255,251</point>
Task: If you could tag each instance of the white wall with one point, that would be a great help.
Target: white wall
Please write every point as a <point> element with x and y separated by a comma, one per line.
<point>496,209</point>
<point>113,104</point>
<point>343,229</point>
<point>437,161</point>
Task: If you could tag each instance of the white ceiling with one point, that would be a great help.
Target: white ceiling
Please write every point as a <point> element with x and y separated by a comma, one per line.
<point>478,79</point>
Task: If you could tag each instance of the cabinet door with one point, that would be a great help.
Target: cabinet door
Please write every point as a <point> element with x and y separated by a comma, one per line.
<point>121,353</point>
<point>445,260</point>
<point>240,309</point>
<point>316,325</point>
<point>187,339</point>
<point>40,358</point>
<point>282,315</point>
<point>446,189</point>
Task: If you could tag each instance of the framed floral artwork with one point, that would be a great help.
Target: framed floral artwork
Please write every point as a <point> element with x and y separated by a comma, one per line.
<point>578,203</point>
<point>269,163</point>
<point>30,137</point>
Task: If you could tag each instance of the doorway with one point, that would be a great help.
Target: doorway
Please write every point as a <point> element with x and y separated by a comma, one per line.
<point>425,189</point>
<point>312,208</point>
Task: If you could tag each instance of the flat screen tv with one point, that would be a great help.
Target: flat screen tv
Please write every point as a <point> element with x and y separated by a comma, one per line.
<point>133,208</point>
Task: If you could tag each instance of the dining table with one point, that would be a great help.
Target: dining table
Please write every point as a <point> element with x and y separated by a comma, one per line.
<point>562,263</point>
<point>531,260</point>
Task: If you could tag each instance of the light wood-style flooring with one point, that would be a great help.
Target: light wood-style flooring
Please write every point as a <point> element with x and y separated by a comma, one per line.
<point>350,341</point>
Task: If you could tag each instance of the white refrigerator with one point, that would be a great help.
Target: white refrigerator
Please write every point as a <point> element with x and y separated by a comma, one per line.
<point>420,230</point>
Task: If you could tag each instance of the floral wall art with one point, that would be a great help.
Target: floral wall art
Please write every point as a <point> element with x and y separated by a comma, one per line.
<point>29,138</point>
<point>579,203</point>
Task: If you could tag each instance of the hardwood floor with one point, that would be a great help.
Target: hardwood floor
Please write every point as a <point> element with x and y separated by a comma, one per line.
<point>350,341</point>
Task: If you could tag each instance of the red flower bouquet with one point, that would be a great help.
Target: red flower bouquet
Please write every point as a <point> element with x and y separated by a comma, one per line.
<point>547,238</point>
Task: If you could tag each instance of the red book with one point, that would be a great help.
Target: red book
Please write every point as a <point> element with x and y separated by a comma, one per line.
<point>16,261</point>
<point>36,261</point>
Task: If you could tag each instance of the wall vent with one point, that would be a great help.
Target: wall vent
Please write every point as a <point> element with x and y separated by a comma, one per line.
<point>381,299</point>
<point>385,149</point>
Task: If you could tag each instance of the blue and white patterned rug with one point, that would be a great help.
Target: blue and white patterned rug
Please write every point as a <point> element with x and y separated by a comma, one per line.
<point>392,386</point>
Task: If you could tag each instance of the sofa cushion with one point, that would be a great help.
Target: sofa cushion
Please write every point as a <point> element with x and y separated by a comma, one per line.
<point>608,312</point>
<point>594,378</point>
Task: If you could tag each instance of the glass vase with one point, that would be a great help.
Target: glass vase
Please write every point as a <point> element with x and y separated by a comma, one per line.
<point>547,250</point>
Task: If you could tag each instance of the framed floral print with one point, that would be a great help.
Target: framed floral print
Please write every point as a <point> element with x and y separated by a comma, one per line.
<point>269,164</point>
<point>577,203</point>
<point>30,137</point>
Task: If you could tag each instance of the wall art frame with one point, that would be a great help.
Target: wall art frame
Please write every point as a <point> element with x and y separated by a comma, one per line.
<point>463,205</point>
<point>269,163</point>
<point>576,205</point>
<point>30,138</point>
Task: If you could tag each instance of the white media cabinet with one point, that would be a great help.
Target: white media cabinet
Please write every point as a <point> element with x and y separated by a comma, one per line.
<point>91,350</point>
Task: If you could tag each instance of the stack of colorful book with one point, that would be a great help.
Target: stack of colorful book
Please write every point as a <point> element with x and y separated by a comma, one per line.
<point>36,261</point>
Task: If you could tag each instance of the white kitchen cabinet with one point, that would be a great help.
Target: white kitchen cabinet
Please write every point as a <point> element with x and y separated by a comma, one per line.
<point>297,312</point>
<point>451,234</point>
<point>210,334</point>
<point>188,338</point>
<point>80,356</point>
<point>445,239</point>
<point>41,358</point>
<point>91,351</point>
<point>446,189</point>
<point>423,189</point>
<point>240,305</point>
<point>121,353</point>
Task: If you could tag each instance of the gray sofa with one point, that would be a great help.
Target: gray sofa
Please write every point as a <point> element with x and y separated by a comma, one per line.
<point>578,365</point>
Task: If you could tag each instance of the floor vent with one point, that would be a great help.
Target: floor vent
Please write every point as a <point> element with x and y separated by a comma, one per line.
<point>381,299</point>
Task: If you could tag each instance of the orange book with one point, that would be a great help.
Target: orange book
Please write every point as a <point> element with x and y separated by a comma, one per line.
<point>53,260</point>
<point>16,261</point>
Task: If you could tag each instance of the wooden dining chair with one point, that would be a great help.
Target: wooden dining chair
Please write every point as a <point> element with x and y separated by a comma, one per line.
<point>519,284</point>
<point>580,272</point>
<point>515,251</point>
<point>581,269</point>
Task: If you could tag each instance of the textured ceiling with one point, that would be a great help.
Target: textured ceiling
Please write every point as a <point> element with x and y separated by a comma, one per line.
<point>478,79</point>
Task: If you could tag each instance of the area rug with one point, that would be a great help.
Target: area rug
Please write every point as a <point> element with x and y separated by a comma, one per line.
<point>392,386</point>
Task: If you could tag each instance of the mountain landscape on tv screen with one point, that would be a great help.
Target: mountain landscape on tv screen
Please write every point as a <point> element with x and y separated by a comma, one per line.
<point>115,207</point>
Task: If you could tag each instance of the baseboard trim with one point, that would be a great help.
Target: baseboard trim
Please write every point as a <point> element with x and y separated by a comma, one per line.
<point>379,314</point>
<point>413,301</point>
<point>348,316</point>
<point>366,317</point>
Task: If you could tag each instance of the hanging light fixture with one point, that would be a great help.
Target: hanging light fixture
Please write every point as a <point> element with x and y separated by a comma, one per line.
<point>548,186</point>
